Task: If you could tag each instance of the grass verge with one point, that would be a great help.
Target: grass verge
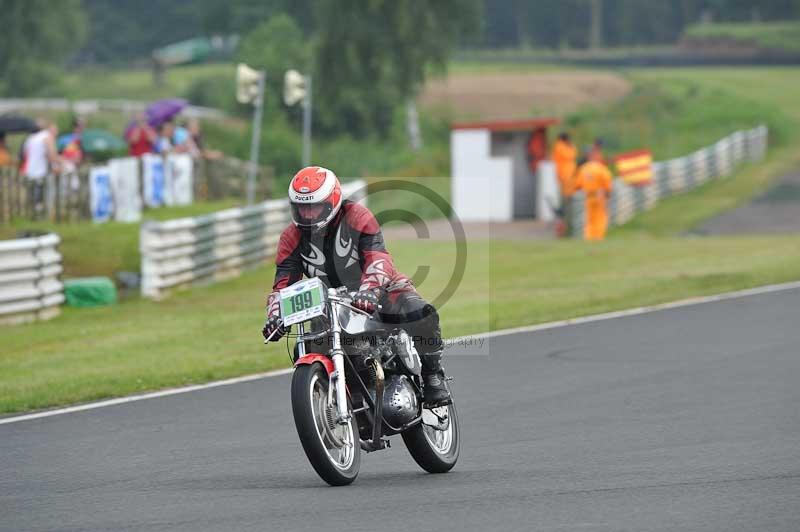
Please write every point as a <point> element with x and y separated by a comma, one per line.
<point>679,214</point>
<point>769,91</point>
<point>212,332</point>
<point>102,249</point>
<point>783,36</point>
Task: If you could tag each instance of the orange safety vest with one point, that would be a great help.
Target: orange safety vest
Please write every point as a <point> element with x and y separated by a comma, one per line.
<point>595,179</point>
<point>564,156</point>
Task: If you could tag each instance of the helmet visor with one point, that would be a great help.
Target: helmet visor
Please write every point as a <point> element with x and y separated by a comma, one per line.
<point>310,214</point>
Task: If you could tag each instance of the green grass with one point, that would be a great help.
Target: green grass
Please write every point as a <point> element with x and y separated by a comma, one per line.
<point>138,85</point>
<point>281,138</point>
<point>770,91</point>
<point>547,58</point>
<point>212,332</point>
<point>773,86</point>
<point>680,214</point>
<point>102,249</point>
<point>506,61</point>
<point>783,35</point>
<point>674,117</point>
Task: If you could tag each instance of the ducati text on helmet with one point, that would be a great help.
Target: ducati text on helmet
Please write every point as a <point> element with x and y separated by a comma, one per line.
<point>315,197</point>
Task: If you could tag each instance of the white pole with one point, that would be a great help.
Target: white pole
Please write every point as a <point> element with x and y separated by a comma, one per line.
<point>307,123</point>
<point>255,140</point>
<point>412,125</point>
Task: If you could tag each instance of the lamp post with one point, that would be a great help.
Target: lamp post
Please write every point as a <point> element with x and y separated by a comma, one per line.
<point>297,87</point>
<point>250,89</point>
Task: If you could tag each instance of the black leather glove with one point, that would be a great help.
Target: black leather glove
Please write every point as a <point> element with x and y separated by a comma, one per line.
<point>367,300</point>
<point>273,324</point>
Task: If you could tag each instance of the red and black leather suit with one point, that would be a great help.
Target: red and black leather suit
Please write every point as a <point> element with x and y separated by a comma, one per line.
<point>351,252</point>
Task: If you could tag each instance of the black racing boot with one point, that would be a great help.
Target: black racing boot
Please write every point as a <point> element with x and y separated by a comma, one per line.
<point>434,388</point>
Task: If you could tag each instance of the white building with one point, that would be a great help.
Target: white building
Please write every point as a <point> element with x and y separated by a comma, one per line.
<point>500,172</point>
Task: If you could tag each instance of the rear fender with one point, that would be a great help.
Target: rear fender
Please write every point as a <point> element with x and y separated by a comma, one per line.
<point>310,358</point>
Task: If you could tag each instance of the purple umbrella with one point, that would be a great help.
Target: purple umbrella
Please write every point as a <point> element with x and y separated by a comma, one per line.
<point>159,112</point>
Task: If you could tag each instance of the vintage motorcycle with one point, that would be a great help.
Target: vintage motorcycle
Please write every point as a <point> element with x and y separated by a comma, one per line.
<point>360,384</point>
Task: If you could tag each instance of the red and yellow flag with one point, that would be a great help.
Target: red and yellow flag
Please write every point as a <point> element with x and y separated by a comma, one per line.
<point>635,167</point>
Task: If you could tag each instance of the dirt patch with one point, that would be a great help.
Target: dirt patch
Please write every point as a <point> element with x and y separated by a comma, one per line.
<point>517,95</point>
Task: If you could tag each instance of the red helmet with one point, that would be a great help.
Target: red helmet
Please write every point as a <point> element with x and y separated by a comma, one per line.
<point>315,196</point>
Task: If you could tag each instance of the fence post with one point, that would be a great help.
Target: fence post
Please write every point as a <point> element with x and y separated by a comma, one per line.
<point>21,202</point>
<point>57,198</point>
<point>3,174</point>
<point>4,195</point>
<point>578,214</point>
<point>13,194</point>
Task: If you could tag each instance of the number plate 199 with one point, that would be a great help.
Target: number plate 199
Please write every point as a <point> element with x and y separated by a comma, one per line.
<point>302,301</point>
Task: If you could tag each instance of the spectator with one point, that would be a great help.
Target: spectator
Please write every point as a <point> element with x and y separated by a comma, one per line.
<point>166,132</point>
<point>141,137</point>
<point>5,155</point>
<point>73,148</point>
<point>537,149</point>
<point>595,179</point>
<point>40,159</point>
<point>183,141</point>
<point>197,137</point>
<point>196,133</point>
<point>564,156</point>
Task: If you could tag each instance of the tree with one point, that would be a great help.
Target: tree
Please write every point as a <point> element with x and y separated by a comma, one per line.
<point>275,45</point>
<point>38,36</point>
<point>372,56</point>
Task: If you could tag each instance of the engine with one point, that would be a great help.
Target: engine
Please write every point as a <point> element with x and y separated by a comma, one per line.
<point>399,400</point>
<point>398,356</point>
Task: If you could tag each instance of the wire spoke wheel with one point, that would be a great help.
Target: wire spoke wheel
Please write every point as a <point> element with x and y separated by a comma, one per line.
<point>440,440</point>
<point>435,444</point>
<point>332,448</point>
<point>338,439</point>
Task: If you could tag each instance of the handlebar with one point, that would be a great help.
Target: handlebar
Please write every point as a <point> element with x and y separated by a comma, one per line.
<point>342,297</point>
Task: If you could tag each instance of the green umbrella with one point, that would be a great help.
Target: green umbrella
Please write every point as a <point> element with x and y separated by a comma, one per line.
<point>95,140</point>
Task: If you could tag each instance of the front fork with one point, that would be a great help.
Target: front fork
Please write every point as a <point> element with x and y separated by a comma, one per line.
<point>337,377</point>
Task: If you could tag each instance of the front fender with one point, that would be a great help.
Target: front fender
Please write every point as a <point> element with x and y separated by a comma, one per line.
<point>310,358</point>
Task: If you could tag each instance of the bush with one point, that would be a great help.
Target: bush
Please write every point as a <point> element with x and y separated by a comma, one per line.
<point>217,92</point>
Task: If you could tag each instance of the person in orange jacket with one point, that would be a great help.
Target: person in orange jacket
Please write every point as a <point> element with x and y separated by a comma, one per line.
<point>564,156</point>
<point>597,151</point>
<point>595,179</point>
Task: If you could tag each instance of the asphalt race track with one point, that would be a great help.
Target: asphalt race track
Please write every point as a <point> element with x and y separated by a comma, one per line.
<point>683,419</point>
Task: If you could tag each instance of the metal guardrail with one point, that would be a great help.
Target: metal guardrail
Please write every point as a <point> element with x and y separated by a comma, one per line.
<point>29,286</point>
<point>87,107</point>
<point>205,249</point>
<point>676,176</point>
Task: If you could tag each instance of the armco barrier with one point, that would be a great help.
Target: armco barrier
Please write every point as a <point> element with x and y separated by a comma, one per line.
<point>217,246</point>
<point>87,107</point>
<point>29,285</point>
<point>677,176</point>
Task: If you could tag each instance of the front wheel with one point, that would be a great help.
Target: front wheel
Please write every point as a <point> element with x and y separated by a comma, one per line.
<point>332,448</point>
<point>435,449</point>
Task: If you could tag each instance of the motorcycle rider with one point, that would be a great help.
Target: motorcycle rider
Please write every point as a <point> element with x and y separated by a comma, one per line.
<point>341,242</point>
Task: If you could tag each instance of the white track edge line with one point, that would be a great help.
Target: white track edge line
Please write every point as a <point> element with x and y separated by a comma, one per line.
<point>143,396</point>
<point>766,289</point>
<point>492,334</point>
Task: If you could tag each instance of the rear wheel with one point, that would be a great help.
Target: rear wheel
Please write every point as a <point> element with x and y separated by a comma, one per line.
<point>435,448</point>
<point>332,448</point>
